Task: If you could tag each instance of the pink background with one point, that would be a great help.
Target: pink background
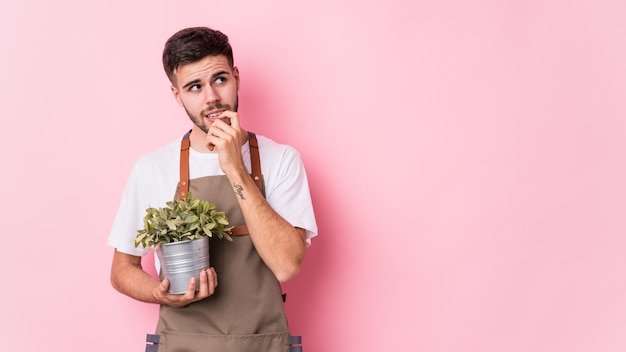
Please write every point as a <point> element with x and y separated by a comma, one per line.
<point>466,160</point>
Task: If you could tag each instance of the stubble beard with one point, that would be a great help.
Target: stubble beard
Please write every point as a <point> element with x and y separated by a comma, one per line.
<point>199,119</point>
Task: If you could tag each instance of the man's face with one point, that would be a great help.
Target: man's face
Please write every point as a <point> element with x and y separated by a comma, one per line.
<point>206,88</point>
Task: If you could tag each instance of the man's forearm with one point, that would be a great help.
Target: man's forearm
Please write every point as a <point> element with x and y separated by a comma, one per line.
<point>279,244</point>
<point>129,278</point>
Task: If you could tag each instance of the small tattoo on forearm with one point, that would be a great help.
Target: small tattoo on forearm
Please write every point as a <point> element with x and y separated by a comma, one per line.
<point>239,190</point>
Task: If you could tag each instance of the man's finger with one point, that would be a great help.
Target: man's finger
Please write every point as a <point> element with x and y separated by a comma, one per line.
<point>191,290</point>
<point>230,118</point>
<point>214,277</point>
<point>204,290</point>
<point>234,120</point>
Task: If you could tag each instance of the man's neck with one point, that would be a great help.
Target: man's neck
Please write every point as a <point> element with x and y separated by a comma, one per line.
<point>197,139</point>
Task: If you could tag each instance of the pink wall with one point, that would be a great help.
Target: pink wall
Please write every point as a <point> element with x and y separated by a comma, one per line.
<point>466,160</point>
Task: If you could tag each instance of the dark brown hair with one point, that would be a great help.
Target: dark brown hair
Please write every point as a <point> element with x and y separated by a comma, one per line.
<point>193,44</point>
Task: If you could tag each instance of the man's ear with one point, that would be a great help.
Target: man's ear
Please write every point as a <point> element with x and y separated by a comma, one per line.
<point>236,74</point>
<point>176,95</point>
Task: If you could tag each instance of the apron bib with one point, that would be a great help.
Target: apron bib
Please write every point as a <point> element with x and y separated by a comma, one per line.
<point>246,312</point>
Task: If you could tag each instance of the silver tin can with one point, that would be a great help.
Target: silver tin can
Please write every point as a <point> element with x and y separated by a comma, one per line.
<point>180,261</point>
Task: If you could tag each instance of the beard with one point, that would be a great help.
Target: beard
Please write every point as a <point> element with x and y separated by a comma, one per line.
<point>199,121</point>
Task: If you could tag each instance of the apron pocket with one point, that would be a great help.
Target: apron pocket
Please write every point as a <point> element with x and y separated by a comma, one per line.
<point>176,341</point>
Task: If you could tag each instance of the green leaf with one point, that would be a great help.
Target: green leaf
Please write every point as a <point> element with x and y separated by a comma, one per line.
<point>190,218</point>
<point>180,220</point>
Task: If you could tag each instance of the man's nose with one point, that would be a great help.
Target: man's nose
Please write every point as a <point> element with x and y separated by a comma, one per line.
<point>211,95</point>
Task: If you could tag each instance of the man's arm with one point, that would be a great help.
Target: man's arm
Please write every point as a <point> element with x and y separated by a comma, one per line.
<point>279,244</point>
<point>129,278</point>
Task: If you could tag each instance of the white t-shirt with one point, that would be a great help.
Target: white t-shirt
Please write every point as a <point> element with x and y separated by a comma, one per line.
<point>154,177</point>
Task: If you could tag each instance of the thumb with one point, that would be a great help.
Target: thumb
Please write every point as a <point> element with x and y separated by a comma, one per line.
<point>165,284</point>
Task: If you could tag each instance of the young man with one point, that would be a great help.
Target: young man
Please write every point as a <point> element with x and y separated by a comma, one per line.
<point>245,311</point>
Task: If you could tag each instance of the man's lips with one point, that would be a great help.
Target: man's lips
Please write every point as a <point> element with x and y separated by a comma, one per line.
<point>217,115</point>
<point>214,115</point>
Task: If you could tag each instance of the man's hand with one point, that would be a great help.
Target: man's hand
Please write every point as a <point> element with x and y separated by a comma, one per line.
<point>208,282</point>
<point>225,136</point>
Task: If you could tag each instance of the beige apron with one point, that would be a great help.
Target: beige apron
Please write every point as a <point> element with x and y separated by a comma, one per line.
<point>246,312</point>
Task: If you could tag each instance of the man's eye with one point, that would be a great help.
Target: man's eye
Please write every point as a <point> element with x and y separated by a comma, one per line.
<point>194,88</point>
<point>220,80</point>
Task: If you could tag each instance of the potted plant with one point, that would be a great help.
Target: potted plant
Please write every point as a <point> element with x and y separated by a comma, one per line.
<point>179,233</point>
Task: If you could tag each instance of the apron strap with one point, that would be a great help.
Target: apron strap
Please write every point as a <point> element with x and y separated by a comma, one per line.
<point>183,187</point>
<point>255,161</point>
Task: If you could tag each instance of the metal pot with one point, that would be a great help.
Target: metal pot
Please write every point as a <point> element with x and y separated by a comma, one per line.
<point>180,261</point>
